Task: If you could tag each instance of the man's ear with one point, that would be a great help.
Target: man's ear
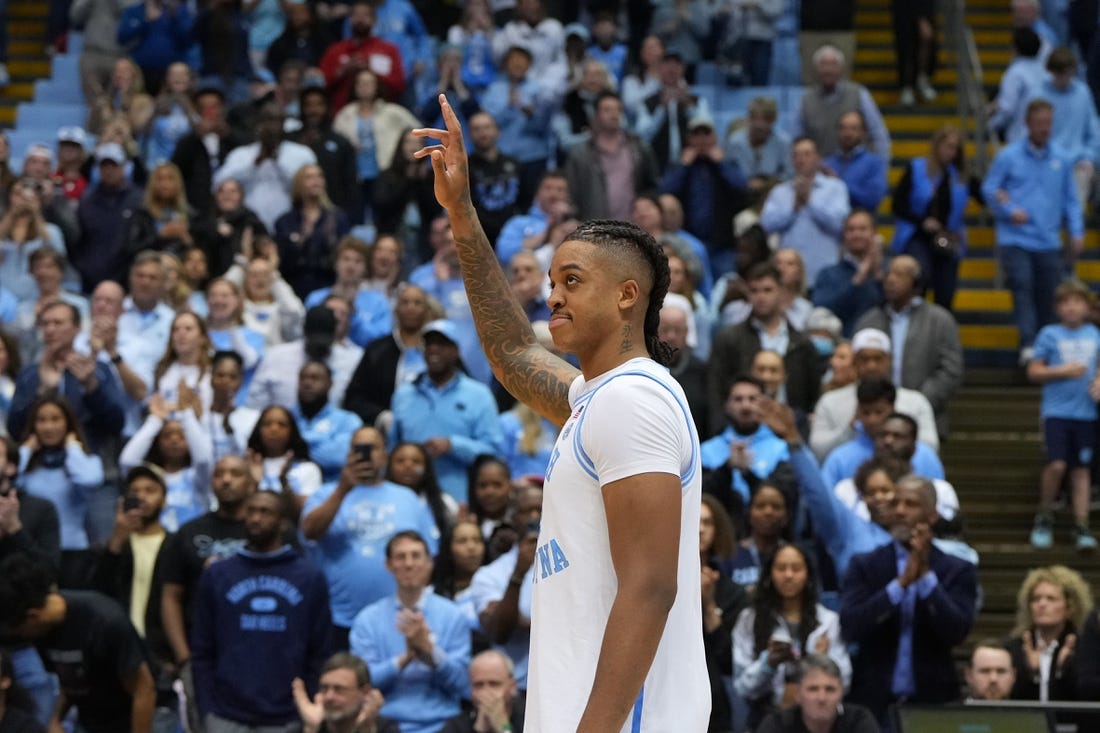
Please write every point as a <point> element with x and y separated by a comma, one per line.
<point>629,294</point>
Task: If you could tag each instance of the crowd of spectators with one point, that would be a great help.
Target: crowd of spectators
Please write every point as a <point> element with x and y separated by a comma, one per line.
<point>258,476</point>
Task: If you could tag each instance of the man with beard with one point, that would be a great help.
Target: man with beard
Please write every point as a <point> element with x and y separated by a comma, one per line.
<point>345,701</point>
<point>348,523</point>
<point>325,427</point>
<point>990,674</point>
<point>344,60</point>
<point>907,605</point>
<point>130,570</point>
<point>745,452</point>
<point>453,416</point>
<point>266,168</point>
<point>335,154</point>
<point>200,542</point>
<point>261,621</point>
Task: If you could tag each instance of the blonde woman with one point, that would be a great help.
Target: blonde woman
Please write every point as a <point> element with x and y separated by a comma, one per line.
<point>125,96</point>
<point>163,223</point>
<point>308,233</point>
<point>1051,607</point>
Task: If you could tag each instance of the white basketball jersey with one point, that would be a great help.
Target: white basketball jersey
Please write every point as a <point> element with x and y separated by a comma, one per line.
<point>633,419</point>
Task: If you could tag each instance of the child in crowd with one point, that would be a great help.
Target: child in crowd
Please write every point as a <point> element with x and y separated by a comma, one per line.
<point>1065,364</point>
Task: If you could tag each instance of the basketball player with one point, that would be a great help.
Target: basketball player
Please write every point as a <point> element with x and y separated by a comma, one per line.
<point>616,638</point>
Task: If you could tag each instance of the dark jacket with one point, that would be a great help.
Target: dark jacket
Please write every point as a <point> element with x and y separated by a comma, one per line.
<point>306,265</point>
<point>114,576</point>
<point>337,159</point>
<point>464,721</point>
<point>588,183</point>
<point>731,598</point>
<point>40,537</point>
<point>143,234</point>
<point>221,251</point>
<point>101,253</point>
<point>940,623</point>
<point>852,719</point>
<point>1088,658</point>
<point>1062,682</point>
<point>732,354</point>
<point>99,411</point>
<point>834,290</point>
<point>371,388</point>
<point>291,45</point>
<point>197,168</point>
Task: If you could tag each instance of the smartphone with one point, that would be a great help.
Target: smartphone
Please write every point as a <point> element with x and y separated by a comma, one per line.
<point>364,450</point>
<point>130,502</point>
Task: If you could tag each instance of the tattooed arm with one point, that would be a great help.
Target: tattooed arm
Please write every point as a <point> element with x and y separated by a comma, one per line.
<point>530,372</point>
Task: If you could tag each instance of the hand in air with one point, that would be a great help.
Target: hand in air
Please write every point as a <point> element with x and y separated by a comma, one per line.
<point>449,161</point>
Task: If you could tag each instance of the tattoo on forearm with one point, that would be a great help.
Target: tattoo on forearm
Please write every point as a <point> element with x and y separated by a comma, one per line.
<point>533,375</point>
<point>627,343</point>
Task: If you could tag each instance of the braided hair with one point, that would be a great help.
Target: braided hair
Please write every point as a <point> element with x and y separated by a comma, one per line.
<point>638,247</point>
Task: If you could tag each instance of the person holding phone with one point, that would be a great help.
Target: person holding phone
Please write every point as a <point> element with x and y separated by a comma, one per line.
<point>347,523</point>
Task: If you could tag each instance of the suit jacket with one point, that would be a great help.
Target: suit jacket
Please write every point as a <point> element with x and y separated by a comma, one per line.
<point>932,355</point>
<point>195,166</point>
<point>940,622</point>
<point>732,354</point>
<point>1062,683</point>
<point>371,388</point>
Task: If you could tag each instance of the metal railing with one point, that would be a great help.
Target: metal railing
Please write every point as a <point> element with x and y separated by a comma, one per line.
<point>970,85</point>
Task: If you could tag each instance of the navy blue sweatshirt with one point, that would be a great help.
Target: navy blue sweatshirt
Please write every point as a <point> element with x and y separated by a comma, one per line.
<point>260,621</point>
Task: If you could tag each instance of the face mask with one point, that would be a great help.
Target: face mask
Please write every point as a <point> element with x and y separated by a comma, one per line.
<point>824,345</point>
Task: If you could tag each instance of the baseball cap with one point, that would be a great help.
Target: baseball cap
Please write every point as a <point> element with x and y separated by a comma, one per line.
<point>72,134</point>
<point>700,120</point>
<point>870,338</point>
<point>149,471</point>
<point>579,30</point>
<point>39,150</point>
<point>445,328</point>
<point>110,151</point>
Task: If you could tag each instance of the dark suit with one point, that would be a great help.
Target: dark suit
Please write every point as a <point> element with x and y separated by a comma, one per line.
<point>732,354</point>
<point>371,387</point>
<point>940,622</point>
<point>197,168</point>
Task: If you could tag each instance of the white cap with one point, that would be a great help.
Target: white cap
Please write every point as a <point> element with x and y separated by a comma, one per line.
<point>870,338</point>
<point>681,303</point>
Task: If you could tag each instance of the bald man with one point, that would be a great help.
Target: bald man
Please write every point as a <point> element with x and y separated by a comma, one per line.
<point>927,354</point>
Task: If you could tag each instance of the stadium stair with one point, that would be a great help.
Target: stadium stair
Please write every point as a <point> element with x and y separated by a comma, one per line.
<point>993,456</point>
<point>27,61</point>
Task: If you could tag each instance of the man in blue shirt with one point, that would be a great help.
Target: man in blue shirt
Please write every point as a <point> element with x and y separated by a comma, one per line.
<point>863,172</point>
<point>1031,192</point>
<point>1065,363</point>
<point>745,447</point>
<point>535,228</point>
<point>416,644</point>
<point>347,524</point>
<point>453,416</point>
<point>326,428</point>
<point>853,285</point>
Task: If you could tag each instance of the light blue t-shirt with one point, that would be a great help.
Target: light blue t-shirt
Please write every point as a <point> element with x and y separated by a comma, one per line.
<point>1057,345</point>
<point>352,553</point>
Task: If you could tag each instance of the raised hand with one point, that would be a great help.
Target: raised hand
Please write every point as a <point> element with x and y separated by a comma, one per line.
<point>449,160</point>
<point>311,712</point>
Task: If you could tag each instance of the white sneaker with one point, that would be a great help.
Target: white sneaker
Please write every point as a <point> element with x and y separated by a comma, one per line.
<point>907,98</point>
<point>927,92</point>
<point>5,78</point>
<point>1026,355</point>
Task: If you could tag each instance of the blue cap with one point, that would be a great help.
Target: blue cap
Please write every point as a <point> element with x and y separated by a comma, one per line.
<point>446,329</point>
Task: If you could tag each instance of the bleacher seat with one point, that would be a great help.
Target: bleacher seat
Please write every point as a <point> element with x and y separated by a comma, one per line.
<point>55,91</point>
<point>39,116</point>
<point>66,66</point>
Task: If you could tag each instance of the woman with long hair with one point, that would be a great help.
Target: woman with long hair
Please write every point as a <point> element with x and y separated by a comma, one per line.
<point>229,233</point>
<point>173,113</point>
<point>175,441</point>
<point>490,492</point>
<point>279,457</point>
<point>410,465</point>
<point>226,329</point>
<point>1051,607</point>
<point>461,553</point>
<point>10,364</point>
<point>784,623</point>
<point>163,223</point>
<point>792,272</point>
<point>126,96</point>
<point>185,366</point>
<point>228,424</point>
<point>308,233</point>
<point>55,464</point>
<point>769,517</point>
<point>404,196</point>
<point>723,600</point>
<point>23,230</point>
<point>929,204</point>
<point>528,440</point>
<point>373,127</point>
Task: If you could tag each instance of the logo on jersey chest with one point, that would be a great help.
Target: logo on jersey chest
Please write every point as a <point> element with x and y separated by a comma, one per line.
<point>572,421</point>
